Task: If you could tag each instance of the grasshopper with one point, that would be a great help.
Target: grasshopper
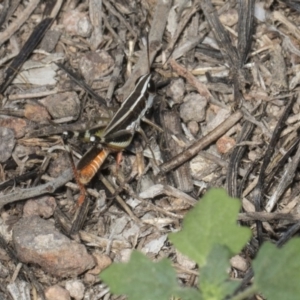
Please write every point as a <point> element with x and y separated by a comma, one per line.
<point>116,136</point>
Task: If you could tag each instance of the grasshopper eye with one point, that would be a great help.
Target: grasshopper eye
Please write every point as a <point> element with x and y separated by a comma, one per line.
<point>151,87</point>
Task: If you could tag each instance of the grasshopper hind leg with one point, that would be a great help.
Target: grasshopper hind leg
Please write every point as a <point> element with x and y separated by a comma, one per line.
<point>80,216</point>
<point>82,203</point>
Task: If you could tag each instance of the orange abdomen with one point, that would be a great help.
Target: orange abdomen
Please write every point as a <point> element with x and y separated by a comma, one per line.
<point>88,172</point>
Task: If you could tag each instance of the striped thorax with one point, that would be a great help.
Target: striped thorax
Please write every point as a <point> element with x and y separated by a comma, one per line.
<point>120,130</point>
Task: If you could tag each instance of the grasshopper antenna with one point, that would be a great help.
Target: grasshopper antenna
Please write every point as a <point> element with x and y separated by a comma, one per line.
<point>148,52</point>
<point>145,40</point>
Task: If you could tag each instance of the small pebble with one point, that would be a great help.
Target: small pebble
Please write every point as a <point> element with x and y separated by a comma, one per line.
<point>239,263</point>
<point>94,65</point>
<point>75,288</point>
<point>102,262</point>
<point>4,271</point>
<point>7,138</point>
<point>84,27</point>
<point>176,90</point>
<point>16,124</point>
<point>56,292</point>
<point>77,23</point>
<point>252,155</point>
<point>43,207</point>
<point>225,144</point>
<point>230,17</point>
<point>185,261</point>
<point>193,127</point>
<point>50,40</point>
<point>193,108</point>
<point>36,113</point>
<point>62,105</point>
<point>89,279</point>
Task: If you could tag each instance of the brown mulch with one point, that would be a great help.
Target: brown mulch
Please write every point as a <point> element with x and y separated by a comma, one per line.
<point>226,115</point>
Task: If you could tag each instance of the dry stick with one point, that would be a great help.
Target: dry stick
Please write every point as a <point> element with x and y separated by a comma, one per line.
<point>201,88</point>
<point>235,159</point>
<point>56,8</point>
<point>202,143</point>
<point>266,217</point>
<point>276,163</point>
<point>155,40</point>
<point>18,22</point>
<point>170,121</point>
<point>245,29</point>
<point>20,96</point>
<point>285,181</point>
<point>97,241</point>
<point>46,188</point>
<point>259,189</point>
<point>228,51</point>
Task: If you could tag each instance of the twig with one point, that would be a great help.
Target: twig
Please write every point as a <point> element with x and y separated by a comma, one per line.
<point>259,189</point>
<point>266,216</point>
<point>170,121</point>
<point>201,88</point>
<point>235,158</point>
<point>202,143</point>
<point>160,189</point>
<point>229,52</point>
<point>55,8</point>
<point>285,180</point>
<point>46,188</point>
<point>101,242</point>
<point>245,29</point>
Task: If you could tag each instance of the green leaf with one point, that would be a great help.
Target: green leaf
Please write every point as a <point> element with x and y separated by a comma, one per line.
<point>277,271</point>
<point>188,294</point>
<point>214,281</point>
<point>211,221</point>
<point>141,278</point>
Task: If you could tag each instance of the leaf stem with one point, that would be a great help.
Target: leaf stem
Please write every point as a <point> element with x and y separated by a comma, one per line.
<point>246,293</point>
